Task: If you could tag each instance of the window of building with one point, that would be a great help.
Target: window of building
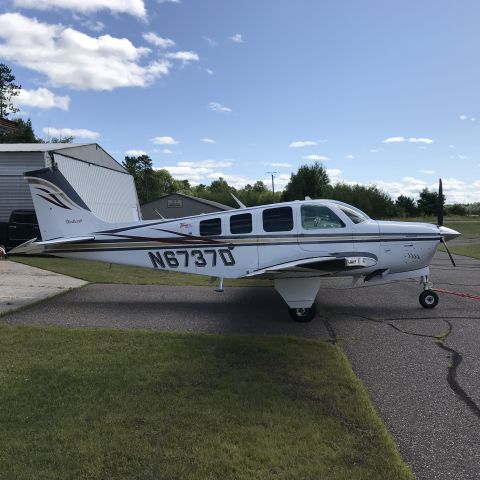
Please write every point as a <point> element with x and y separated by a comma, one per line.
<point>319,216</point>
<point>354,215</point>
<point>278,219</point>
<point>210,227</point>
<point>241,223</point>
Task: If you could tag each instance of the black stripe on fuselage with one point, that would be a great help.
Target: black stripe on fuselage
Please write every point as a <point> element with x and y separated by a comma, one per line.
<point>131,245</point>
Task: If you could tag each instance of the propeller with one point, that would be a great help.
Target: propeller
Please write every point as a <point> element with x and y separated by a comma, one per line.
<point>440,204</point>
<point>440,219</point>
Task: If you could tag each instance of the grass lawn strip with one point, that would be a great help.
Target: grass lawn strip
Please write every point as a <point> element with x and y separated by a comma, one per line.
<point>467,250</point>
<point>101,272</point>
<point>95,404</point>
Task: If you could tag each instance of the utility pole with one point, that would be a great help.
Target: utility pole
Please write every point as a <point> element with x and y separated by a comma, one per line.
<point>273,183</point>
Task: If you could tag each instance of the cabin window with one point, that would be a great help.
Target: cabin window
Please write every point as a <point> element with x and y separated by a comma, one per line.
<point>278,219</point>
<point>241,223</point>
<point>316,217</point>
<point>210,227</point>
<point>353,215</point>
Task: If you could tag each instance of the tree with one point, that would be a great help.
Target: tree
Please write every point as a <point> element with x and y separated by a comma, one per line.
<point>456,209</point>
<point>428,203</point>
<point>370,199</point>
<point>310,180</point>
<point>142,171</point>
<point>406,206</point>
<point>8,90</point>
<point>23,134</point>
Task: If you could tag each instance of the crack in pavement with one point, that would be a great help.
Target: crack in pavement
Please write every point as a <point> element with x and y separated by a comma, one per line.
<point>455,356</point>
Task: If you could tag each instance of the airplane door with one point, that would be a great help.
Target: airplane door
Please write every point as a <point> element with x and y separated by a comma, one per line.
<point>322,231</point>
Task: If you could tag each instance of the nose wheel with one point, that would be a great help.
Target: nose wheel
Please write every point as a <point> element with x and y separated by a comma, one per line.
<point>428,299</point>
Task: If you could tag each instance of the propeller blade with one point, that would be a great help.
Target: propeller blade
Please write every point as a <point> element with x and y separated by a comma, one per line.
<point>440,203</point>
<point>448,251</point>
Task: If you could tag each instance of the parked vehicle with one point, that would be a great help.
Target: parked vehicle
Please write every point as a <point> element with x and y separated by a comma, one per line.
<point>23,226</point>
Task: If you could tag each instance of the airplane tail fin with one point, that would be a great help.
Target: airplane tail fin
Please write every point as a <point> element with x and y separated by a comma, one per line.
<point>61,212</point>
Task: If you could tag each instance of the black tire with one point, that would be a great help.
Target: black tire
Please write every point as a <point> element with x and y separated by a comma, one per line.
<point>302,315</point>
<point>428,299</point>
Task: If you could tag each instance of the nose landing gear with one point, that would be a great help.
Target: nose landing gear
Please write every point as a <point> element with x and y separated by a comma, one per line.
<point>428,298</point>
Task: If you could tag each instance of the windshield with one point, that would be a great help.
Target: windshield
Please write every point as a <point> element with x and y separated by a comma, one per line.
<point>354,215</point>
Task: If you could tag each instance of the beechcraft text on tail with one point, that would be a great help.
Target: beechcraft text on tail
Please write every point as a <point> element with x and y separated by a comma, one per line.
<point>295,244</point>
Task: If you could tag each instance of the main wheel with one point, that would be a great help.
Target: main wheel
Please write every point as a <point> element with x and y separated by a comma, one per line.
<point>302,315</point>
<point>428,299</point>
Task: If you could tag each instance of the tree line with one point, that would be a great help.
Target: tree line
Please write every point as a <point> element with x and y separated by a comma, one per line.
<point>309,181</point>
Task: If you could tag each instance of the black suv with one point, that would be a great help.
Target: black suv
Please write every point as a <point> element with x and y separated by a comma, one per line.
<point>23,226</point>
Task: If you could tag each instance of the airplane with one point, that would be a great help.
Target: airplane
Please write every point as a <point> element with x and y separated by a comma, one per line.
<point>295,244</point>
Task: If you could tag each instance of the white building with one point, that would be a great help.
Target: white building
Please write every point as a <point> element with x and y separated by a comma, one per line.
<point>105,186</point>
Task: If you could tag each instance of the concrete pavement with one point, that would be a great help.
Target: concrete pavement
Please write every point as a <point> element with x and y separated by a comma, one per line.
<point>21,285</point>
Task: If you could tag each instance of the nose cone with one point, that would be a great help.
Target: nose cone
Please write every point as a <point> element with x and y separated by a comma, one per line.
<point>448,233</point>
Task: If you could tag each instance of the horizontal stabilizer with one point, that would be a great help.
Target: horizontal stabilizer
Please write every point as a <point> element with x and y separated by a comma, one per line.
<point>32,247</point>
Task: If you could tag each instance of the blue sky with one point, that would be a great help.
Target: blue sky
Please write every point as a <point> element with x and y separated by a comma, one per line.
<point>380,92</point>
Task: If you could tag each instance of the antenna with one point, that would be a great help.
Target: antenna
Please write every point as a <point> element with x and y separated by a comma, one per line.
<point>273,183</point>
<point>240,204</point>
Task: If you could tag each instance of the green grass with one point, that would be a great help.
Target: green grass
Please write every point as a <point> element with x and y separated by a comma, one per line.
<point>467,250</point>
<point>105,404</point>
<point>467,226</point>
<point>100,272</point>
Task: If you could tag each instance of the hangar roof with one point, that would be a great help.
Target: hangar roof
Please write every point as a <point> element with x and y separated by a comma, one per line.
<point>85,152</point>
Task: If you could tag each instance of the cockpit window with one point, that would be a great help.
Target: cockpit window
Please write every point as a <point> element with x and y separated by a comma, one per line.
<point>354,215</point>
<point>319,216</point>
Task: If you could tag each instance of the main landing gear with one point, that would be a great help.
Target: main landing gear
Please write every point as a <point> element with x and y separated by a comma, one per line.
<point>302,315</point>
<point>428,298</point>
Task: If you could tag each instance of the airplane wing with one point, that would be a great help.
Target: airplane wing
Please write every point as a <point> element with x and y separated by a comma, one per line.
<point>31,246</point>
<point>315,265</point>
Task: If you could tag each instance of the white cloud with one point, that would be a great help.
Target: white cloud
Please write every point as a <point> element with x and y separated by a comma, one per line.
<point>184,57</point>
<point>334,174</point>
<point>210,41</point>
<point>409,140</point>
<point>70,132</point>
<point>93,26</point>
<point>74,59</point>
<point>42,98</point>
<point>316,158</point>
<point>395,140</point>
<point>237,38</point>
<point>207,140</point>
<point>218,107</point>
<point>427,172</point>
<point>169,1</point>
<point>462,117</point>
<point>164,141</point>
<point>302,143</point>
<point>462,157</point>
<point>132,7</point>
<point>201,171</point>
<point>375,150</point>
<point>350,157</point>
<point>160,42</point>
<point>427,141</point>
<point>209,71</point>
<point>281,165</point>
<point>167,151</point>
<point>135,153</point>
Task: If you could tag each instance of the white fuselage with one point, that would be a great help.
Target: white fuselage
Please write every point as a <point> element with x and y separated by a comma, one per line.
<point>215,245</point>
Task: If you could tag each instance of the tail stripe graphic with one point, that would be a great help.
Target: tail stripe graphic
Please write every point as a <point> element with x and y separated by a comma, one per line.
<point>56,203</point>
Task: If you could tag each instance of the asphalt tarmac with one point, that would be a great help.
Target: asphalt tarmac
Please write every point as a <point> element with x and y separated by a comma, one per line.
<point>421,367</point>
